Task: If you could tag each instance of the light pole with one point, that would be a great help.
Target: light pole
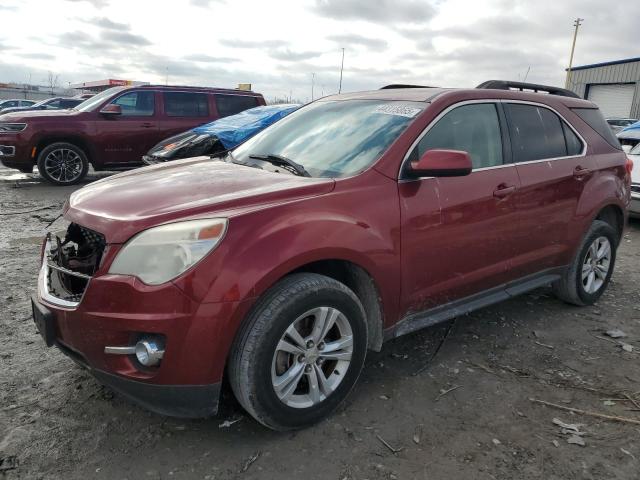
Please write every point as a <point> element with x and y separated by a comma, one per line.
<point>576,23</point>
<point>341,68</point>
<point>313,79</point>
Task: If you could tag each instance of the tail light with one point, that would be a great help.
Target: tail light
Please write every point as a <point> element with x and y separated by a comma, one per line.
<point>629,165</point>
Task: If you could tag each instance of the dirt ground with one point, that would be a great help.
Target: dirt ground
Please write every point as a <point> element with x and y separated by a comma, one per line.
<point>464,414</point>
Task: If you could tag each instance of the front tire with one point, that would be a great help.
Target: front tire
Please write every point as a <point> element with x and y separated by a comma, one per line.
<point>63,163</point>
<point>300,351</point>
<point>588,276</point>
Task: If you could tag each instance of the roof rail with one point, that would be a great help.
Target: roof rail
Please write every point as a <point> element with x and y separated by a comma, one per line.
<point>522,86</point>
<point>401,85</point>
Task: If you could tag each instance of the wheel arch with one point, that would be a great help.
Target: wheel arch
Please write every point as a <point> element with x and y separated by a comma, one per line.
<point>614,216</point>
<point>350,273</point>
<point>363,285</point>
<point>76,140</point>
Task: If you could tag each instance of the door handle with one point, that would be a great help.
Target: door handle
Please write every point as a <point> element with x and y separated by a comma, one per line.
<point>580,173</point>
<point>504,191</point>
<point>146,125</point>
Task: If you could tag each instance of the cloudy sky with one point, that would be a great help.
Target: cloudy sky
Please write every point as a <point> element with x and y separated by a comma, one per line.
<point>278,45</point>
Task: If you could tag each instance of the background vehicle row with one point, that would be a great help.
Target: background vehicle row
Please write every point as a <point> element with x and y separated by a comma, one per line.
<point>111,130</point>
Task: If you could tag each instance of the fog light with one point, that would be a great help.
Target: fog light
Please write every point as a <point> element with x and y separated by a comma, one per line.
<point>149,352</point>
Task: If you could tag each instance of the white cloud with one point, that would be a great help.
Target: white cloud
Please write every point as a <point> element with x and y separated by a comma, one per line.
<point>277,45</point>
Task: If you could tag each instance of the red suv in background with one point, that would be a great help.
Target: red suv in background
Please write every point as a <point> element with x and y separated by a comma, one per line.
<point>111,130</point>
<point>356,219</point>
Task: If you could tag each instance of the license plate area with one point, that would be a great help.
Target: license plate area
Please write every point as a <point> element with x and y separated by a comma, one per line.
<point>45,322</point>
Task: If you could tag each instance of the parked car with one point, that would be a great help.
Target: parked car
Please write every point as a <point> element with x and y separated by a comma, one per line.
<point>356,219</point>
<point>111,130</point>
<point>629,136</point>
<point>15,102</point>
<point>84,96</point>
<point>634,208</point>
<point>618,124</point>
<point>218,136</point>
<point>57,103</point>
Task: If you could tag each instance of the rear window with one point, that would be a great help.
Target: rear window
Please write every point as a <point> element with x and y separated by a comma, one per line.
<point>593,117</point>
<point>574,144</point>
<point>186,104</point>
<point>536,133</point>
<point>232,104</point>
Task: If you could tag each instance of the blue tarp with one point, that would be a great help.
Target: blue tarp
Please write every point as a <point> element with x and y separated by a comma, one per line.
<point>633,126</point>
<point>235,129</point>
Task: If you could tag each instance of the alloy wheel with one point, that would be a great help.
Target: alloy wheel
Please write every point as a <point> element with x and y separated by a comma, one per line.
<point>63,165</point>
<point>596,264</point>
<point>312,357</point>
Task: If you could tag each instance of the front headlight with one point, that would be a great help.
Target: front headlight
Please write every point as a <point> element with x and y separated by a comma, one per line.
<point>162,253</point>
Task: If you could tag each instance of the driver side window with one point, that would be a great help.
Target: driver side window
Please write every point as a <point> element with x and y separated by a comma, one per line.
<point>473,128</point>
<point>136,104</point>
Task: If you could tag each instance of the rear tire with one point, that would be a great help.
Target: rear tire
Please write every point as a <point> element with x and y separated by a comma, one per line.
<point>588,275</point>
<point>63,163</point>
<point>300,351</point>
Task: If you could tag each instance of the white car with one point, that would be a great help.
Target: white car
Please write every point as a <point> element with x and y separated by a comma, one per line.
<point>634,209</point>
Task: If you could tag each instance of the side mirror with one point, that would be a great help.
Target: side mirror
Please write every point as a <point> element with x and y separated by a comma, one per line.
<point>442,163</point>
<point>111,109</point>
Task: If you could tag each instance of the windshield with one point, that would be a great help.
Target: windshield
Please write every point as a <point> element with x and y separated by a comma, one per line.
<point>91,103</point>
<point>332,138</point>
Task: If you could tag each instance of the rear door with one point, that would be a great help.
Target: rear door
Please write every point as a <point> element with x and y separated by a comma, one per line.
<point>123,139</point>
<point>550,159</point>
<point>458,232</point>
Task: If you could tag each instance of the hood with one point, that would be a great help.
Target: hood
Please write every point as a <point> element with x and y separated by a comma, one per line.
<point>123,205</point>
<point>34,114</point>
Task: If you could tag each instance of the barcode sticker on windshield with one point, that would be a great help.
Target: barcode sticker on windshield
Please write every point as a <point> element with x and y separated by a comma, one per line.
<point>400,110</point>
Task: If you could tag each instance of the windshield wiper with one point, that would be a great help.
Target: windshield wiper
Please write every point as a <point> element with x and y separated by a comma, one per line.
<point>281,161</point>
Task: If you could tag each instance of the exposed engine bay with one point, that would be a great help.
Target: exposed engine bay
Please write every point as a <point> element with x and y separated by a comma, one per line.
<point>72,261</point>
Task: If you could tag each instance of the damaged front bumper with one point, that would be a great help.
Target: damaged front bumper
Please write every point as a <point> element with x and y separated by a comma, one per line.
<point>85,313</point>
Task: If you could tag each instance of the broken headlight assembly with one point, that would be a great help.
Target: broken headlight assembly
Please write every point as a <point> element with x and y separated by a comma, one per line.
<point>162,253</point>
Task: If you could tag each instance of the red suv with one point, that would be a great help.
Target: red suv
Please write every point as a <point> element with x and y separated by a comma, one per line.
<point>358,218</point>
<point>111,130</point>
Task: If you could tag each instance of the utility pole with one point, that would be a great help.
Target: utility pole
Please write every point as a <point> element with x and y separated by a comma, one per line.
<point>576,23</point>
<point>313,79</point>
<point>341,68</point>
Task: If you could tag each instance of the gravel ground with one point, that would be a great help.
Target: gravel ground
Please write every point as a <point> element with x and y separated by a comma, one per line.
<point>463,411</point>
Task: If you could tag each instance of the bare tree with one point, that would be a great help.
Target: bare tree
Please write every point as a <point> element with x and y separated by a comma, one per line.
<point>52,81</point>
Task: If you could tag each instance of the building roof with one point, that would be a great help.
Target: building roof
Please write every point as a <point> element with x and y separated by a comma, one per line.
<point>109,82</point>
<point>605,64</point>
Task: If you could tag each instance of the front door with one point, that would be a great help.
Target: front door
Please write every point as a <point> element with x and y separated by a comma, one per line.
<point>458,232</point>
<point>123,139</point>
